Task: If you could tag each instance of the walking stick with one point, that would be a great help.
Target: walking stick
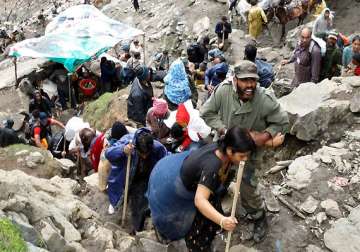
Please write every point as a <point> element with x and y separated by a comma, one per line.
<point>236,197</point>
<point>126,189</point>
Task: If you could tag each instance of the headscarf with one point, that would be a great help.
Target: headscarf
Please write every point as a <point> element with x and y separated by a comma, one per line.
<point>177,88</point>
<point>160,107</point>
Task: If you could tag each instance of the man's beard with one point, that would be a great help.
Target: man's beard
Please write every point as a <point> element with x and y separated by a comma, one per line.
<point>245,94</point>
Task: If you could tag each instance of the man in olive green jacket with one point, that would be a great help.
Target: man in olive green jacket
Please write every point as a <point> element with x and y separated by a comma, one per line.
<point>242,102</point>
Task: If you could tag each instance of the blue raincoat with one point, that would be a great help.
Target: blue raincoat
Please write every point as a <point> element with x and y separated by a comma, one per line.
<point>118,159</point>
<point>177,88</point>
<point>172,205</point>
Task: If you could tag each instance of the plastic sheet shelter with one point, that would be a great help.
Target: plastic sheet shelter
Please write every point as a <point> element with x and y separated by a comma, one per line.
<point>75,36</point>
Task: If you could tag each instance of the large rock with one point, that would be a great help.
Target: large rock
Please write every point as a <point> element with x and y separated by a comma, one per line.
<point>28,232</point>
<point>201,26</point>
<point>318,110</point>
<point>300,171</point>
<point>52,237</point>
<point>344,235</point>
<point>50,204</point>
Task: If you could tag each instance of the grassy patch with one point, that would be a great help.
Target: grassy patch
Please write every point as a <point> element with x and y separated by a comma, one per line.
<point>10,237</point>
<point>96,110</point>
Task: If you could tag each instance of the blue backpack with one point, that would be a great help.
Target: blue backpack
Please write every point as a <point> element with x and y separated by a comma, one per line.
<point>265,72</point>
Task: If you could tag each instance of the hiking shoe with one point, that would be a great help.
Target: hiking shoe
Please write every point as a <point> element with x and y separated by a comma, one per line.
<point>260,229</point>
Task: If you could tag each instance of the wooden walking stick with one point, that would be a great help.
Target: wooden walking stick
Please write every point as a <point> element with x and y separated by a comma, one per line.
<point>236,197</point>
<point>126,189</point>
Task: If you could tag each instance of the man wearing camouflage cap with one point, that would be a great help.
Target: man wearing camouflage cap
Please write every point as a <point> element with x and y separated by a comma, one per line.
<point>240,101</point>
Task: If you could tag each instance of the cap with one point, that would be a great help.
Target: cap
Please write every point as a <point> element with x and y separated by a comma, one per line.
<point>246,69</point>
<point>333,35</point>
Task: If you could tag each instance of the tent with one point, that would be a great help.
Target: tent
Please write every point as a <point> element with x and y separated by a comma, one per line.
<point>75,36</point>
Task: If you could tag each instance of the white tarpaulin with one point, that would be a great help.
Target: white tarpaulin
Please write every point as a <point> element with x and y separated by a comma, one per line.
<point>75,36</point>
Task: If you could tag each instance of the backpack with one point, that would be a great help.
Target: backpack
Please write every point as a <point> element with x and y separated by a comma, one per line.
<point>194,52</point>
<point>321,43</point>
<point>265,72</point>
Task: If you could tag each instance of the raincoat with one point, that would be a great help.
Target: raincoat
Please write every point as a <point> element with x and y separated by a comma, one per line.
<point>321,24</point>
<point>177,87</point>
<point>256,18</point>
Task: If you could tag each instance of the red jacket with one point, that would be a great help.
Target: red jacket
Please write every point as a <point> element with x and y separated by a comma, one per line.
<point>96,151</point>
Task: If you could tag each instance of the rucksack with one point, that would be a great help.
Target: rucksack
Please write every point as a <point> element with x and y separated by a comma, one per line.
<point>321,43</point>
<point>194,52</point>
<point>265,72</point>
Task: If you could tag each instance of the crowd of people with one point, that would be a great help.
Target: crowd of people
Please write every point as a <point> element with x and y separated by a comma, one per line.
<point>184,150</point>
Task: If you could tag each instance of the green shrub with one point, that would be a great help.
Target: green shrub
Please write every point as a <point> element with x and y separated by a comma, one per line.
<point>10,237</point>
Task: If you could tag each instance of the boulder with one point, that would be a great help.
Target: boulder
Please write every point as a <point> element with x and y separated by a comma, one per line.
<point>66,165</point>
<point>331,208</point>
<point>51,236</point>
<point>344,235</point>
<point>325,112</point>
<point>300,171</point>
<point>28,232</point>
<point>93,179</point>
<point>201,26</point>
<point>34,159</point>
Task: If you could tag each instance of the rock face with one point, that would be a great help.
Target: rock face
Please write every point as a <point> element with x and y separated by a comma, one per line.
<point>318,110</point>
<point>344,235</point>
<point>50,206</point>
<point>201,26</point>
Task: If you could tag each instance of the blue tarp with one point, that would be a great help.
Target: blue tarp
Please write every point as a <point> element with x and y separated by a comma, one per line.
<point>75,36</point>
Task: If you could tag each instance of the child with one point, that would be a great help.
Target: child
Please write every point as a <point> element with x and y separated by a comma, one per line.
<point>356,62</point>
<point>353,69</point>
<point>199,75</point>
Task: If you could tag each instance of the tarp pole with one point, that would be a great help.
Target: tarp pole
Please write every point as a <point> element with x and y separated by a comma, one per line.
<point>69,83</point>
<point>16,76</point>
<point>144,47</point>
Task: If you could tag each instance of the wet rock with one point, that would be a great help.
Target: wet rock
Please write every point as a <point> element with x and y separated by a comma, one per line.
<point>321,217</point>
<point>310,205</point>
<point>331,208</point>
<point>344,235</point>
<point>299,173</point>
